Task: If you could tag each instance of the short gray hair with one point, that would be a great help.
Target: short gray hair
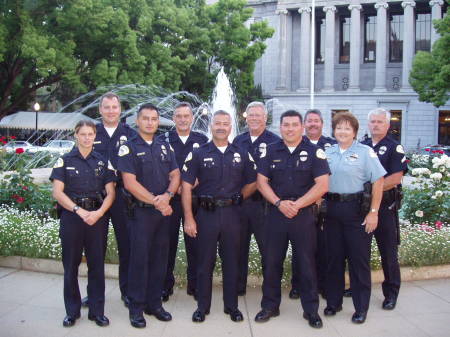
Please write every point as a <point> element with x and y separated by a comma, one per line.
<point>221,113</point>
<point>314,111</point>
<point>380,111</point>
<point>256,104</point>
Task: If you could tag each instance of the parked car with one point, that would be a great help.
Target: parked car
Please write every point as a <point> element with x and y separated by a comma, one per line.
<point>13,145</point>
<point>57,146</point>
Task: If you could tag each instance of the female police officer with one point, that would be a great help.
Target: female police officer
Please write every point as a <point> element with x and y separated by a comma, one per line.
<point>349,228</point>
<point>80,179</point>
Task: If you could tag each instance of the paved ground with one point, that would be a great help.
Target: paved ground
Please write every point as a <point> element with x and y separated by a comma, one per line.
<point>31,305</point>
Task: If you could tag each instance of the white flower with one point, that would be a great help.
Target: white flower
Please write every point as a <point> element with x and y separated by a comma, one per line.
<point>419,214</point>
<point>436,176</point>
<point>439,194</point>
<point>442,169</point>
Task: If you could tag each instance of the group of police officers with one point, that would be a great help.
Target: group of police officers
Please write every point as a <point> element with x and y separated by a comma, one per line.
<point>222,193</point>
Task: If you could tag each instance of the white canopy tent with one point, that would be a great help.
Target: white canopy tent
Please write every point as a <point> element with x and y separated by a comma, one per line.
<point>46,120</point>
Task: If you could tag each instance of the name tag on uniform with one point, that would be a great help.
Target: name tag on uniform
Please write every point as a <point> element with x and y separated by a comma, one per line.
<point>70,168</point>
<point>277,160</point>
<point>140,154</point>
<point>207,159</point>
<point>353,157</point>
<point>97,142</point>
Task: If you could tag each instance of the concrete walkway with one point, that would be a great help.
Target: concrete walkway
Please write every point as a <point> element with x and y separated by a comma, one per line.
<point>31,305</point>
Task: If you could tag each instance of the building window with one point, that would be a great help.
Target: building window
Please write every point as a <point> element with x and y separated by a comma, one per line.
<point>396,125</point>
<point>423,32</point>
<point>344,40</point>
<point>320,40</point>
<point>396,38</point>
<point>444,127</point>
<point>370,36</point>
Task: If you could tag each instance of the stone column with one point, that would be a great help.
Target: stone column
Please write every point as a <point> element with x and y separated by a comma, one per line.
<point>436,13</point>
<point>283,53</point>
<point>380,66</point>
<point>355,46</point>
<point>408,42</point>
<point>305,45</point>
<point>330,38</point>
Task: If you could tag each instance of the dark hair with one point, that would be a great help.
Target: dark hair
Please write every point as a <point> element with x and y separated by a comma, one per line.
<point>314,111</point>
<point>291,113</point>
<point>148,106</point>
<point>183,105</point>
<point>343,117</point>
<point>109,95</point>
<point>85,122</point>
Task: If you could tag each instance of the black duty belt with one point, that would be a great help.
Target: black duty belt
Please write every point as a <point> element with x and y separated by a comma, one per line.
<point>144,204</point>
<point>342,197</point>
<point>389,195</point>
<point>290,198</point>
<point>257,196</point>
<point>223,202</point>
<point>88,204</point>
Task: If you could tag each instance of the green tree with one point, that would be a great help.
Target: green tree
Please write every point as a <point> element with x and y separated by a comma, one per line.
<point>430,74</point>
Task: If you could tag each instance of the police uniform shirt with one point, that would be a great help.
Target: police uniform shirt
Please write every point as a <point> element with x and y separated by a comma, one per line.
<point>390,153</point>
<point>352,168</point>
<point>325,142</point>
<point>82,176</point>
<point>258,148</point>
<point>291,175</point>
<point>109,146</point>
<point>150,163</point>
<point>220,175</point>
<point>194,141</point>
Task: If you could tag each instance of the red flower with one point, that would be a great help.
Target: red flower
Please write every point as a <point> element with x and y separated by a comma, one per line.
<point>25,188</point>
<point>4,142</point>
<point>438,224</point>
<point>428,150</point>
<point>20,150</point>
<point>408,161</point>
<point>441,151</point>
<point>435,151</point>
<point>2,138</point>
<point>13,137</point>
<point>20,200</point>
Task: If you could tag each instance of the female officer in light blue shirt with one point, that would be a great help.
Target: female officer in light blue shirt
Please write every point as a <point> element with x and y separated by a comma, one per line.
<point>348,231</point>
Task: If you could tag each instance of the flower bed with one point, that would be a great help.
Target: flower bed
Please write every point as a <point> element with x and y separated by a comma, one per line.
<point>26,233</point>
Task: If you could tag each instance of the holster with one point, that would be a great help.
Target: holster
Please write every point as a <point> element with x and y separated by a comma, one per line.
<point>130,202</point>
<point>366,199</point>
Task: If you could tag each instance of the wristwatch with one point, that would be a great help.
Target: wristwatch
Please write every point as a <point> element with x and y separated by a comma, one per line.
<point>277,203</point>
<point>373,210</point>
<point>171,194</point>
<point>75,208</point>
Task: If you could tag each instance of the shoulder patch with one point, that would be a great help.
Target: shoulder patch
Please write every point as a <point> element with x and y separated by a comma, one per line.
<point>400,149</point>
<point>372,153</point>
<point>321,154</point>
<point>59,163</point>
<point>188,157</point>
<point>250,157</point>
<point>124,150</point>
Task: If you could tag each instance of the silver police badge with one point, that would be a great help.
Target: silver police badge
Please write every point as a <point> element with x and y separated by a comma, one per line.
<point>327,145</point>
<point>382,150</point>
<point>195,145</point>
<point>303,156</point>
<point>237,158</point>
<point>164,150</point>
<point>262,150</point>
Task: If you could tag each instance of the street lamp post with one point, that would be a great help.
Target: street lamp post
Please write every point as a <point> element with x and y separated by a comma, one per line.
<point>36,108</point>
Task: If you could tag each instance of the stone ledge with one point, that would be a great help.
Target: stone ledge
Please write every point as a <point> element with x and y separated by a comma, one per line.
<point>112,270</point>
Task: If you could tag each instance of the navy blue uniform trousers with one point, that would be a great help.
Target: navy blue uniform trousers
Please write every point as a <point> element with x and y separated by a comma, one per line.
<point>386,237</point>
<point>301,232</point>
<point>118,216</point>
<point>77,235</point>
<point>149,239</point>
<point>346,238</point>
<point>190,246</point>
<point>252,222</point>
<point>223,226</point>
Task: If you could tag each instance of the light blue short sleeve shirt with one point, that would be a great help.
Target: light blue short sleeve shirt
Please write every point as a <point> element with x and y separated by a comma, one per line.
<point>352,168</point>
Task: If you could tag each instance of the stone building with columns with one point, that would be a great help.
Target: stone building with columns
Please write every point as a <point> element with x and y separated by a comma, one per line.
<point>363,55</point>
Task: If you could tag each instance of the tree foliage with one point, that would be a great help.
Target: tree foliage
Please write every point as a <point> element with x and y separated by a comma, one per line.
<point>74,46</point>
<point>430,74</point>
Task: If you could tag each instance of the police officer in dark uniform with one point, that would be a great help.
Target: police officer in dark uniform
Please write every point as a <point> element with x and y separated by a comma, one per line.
<point>150,174</point>
<point>226,175</point>
<point>313,130</point>
<point>352,216</point>
<point>254,141</point>
<point>111,134</point>
<point>387,235</point>
<point>183,140</point>
<point>292,177</point>
<point>83,186</point>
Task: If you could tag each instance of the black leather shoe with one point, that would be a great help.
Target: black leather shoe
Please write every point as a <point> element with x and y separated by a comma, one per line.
<point>166,294</point>
<point>389,303</point>
<point>69,321</point>
<point>235,314</point>
<point>160,314</point>
<point>126,300</point>
<point>138,321</point>
<point>314,321</point>
<point>331,311</point>
<point>294,294</point>
<point>348,292</point>
<point>85,302</point>
<point>265,314</point>
<point>359,317</point>
<point>198,316</point>
<point>242,292</point>
<point>100,320</point>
